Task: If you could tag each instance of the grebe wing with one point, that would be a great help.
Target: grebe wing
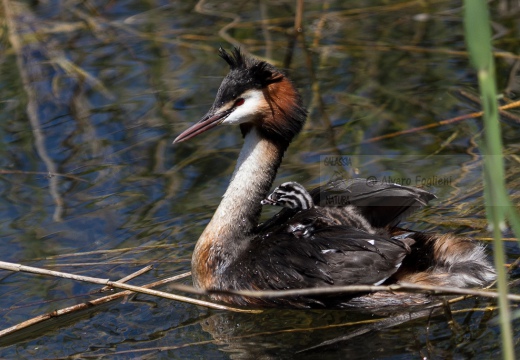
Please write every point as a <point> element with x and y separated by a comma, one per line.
<point>336,255</point>
<point>381,203</point>
<point>360,258</point>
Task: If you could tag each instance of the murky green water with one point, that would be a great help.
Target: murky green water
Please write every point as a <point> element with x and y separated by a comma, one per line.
<point>90,183</point>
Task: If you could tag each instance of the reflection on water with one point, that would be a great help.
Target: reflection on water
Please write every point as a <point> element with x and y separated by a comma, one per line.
<point>93,95</point>
<point>331,333</point>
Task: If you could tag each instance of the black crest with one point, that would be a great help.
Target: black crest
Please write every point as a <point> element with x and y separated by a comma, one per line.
<point>259,73</point>
<point>236,59</point>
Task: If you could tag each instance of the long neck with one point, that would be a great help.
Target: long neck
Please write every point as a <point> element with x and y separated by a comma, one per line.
<point>231,227</point>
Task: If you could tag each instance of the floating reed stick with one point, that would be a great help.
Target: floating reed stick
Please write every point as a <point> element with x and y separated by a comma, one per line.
<point>119,285</point>
<point>403,287</point>
<point>88,304</point>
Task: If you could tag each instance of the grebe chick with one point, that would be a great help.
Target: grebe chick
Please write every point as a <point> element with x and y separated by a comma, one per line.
<point>293,195</point>
<point>235,252</point>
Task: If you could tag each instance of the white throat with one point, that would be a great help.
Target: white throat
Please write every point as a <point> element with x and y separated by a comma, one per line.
<point>231,227</point>
<point>251,179</point>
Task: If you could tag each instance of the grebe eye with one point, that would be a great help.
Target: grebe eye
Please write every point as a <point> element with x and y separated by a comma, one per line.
<point>239,102</point>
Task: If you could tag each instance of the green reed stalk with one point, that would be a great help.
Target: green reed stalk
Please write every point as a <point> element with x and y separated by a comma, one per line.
<point>478,39</point>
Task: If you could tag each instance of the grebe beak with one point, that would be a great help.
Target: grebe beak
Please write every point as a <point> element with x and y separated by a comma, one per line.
<point>209,121</point>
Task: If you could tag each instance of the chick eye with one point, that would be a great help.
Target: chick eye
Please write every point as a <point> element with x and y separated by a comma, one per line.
<point>239,102</point>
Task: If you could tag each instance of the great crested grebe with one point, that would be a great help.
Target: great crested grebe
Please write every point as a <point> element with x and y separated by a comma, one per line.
<point>234,252</point>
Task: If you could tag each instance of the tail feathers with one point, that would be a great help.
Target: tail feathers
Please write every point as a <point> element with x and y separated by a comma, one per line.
<point>453,261</point>
<point>462,258</point>
<point>473,269</point>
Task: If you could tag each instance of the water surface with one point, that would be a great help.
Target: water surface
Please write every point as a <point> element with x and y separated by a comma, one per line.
<point>90,182</point>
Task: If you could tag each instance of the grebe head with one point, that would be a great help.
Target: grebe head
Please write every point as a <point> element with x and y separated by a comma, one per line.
<point>254,93</point>
<point>290,195</point>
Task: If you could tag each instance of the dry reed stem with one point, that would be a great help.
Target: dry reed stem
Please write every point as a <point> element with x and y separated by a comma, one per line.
<point>86,305</point>
<point>477,114</point>
<point>104,252</point>
<point>403,287</point>
<point>129,277</point>
<point>115,284</point>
